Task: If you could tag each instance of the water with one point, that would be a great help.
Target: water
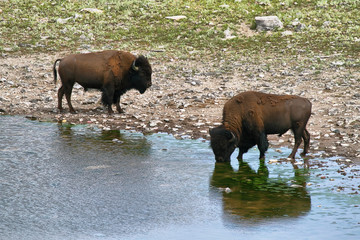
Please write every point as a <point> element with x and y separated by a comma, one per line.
<point>78,182</point>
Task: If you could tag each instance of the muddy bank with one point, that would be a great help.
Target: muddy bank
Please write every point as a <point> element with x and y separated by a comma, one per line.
<point>187,96</point>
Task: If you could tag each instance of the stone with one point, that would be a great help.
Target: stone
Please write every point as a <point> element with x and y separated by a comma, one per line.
<point>268,23</point>
<point>92,10</point>
<point>287,33</point>
<point>63,20</point>
<point>176,18</point>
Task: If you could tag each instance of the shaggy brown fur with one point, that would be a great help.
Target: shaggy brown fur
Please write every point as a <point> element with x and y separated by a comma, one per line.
<point>250,116</point>
<point>113,72</point>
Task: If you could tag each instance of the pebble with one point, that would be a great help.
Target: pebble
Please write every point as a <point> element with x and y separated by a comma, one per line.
<point>273,161</point>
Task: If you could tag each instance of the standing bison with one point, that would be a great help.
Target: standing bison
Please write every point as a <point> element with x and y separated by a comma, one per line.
<point>250,116</point>
<point>113,72</point>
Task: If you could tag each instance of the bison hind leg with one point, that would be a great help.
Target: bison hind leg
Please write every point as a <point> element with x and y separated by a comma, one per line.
<point>306,138</point>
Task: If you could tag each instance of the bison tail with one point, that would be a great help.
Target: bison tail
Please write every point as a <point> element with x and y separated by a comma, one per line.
<point>54,70</point>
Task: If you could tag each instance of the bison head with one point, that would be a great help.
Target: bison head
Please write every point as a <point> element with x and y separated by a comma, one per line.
<point>223,143</point>
<point>141,74</point>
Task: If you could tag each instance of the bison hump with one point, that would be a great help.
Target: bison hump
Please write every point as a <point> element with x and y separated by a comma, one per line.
<point>120,63</point>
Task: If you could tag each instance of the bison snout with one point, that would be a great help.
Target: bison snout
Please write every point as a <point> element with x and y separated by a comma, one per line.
<point>221,159</point>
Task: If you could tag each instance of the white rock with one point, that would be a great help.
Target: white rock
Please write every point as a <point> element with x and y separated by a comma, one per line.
<point>287,33</point>
<point>268,23</point>
<point>176,18</point>
<point>92,10</point>
<point>63,20</point>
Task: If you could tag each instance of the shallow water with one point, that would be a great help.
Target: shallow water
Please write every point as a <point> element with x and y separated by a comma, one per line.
<point>78,182</point>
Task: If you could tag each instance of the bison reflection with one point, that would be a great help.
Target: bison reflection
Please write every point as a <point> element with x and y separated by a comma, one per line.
<point>80,138</point>
<point>254,196</point>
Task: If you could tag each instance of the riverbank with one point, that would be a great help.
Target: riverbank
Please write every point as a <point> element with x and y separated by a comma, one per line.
<point>187,96</point>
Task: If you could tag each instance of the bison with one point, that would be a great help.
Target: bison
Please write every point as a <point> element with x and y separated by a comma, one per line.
<point>113,72</point>
<point>250,116</point>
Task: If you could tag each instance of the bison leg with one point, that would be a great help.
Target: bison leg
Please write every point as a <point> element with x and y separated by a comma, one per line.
<point>306,138</point>
<point>298,134</point>
<point>117,95</point>
<point>61,92</point>
<point>240,155</point>
<point>107,97</point>
<point>263,145</point>
<point>67,90</point>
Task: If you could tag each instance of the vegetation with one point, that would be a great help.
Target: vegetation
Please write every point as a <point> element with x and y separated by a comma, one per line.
<point>327,26</point>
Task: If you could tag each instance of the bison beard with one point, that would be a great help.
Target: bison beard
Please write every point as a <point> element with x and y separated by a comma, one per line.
<point>250,116</point>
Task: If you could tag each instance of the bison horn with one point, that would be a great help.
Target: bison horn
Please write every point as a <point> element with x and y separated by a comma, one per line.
<point>135,68</point>
<point>233,138</point>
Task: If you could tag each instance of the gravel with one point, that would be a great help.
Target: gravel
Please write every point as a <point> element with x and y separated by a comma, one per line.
<point>187,97</point>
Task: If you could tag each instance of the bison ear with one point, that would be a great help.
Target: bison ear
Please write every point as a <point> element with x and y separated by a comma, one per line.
<point>134,67</point>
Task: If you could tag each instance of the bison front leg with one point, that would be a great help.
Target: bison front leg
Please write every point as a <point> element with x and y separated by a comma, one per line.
<point>117,96</point>
<point>107,97</point>
<point>263,145</point>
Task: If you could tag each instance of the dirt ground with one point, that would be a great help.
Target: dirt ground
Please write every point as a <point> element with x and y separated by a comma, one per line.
<point>187,97</point>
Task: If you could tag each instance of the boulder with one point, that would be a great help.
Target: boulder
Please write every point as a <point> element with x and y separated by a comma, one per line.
<point>268,23</point>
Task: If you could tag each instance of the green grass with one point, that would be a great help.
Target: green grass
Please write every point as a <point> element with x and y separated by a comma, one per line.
<point>331,26</point>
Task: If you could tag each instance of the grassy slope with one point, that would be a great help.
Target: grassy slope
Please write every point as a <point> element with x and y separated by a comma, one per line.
<point>331,26</point>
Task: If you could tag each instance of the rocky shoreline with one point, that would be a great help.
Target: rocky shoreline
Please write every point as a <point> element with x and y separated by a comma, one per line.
<point>187,97</point>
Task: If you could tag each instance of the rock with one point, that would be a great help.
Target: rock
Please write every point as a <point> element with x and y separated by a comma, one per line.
<point>298,26</point>
<point>63,20</point>
<point>326,24</point>
<point>273,161</point>
<point>338,63</point>
<point>228,34</point>
<point>287,33</point>
<point>268,23</point>
<point>92,10</point>
<point>176,18</point>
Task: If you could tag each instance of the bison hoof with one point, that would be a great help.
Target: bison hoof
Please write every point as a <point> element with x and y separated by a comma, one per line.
<point>303,154</point>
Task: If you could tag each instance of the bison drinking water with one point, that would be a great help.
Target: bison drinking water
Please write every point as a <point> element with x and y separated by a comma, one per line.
<point>250,116</point>
<point>113,72</point>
